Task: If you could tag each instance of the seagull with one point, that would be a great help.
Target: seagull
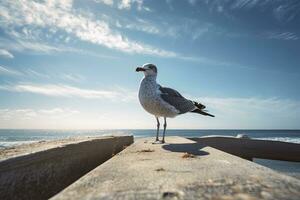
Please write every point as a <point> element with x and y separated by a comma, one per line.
<point>162,101</point>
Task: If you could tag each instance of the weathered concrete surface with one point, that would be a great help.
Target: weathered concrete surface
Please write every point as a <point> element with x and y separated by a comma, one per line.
<point>29,148</point>
<point>47,168</point>
<point>166,171</point>
<point>251,148</point>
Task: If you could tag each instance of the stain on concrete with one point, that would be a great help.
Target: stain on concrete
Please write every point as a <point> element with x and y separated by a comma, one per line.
<point>188,155</point>
<point>145,151</point>
<point>160,169</point>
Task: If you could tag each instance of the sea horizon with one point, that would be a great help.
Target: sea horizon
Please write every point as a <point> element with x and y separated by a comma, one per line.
<point>14,137</point>
<point>254,129</point>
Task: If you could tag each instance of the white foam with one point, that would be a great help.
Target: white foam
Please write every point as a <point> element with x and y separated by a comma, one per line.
<point>5,144</point>
<point>282,139</point>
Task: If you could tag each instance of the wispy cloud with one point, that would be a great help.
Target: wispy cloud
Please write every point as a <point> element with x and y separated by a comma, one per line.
<point>37,47</point>
<point>6,54</point>
<point>28,113</point>
<point>33,73</point>
<point>61,15</point>
<point>191,29</point>
<point>192,2</point>
<point>9,114</point>
<point>280,9</point>
<point>253,105</point>
<point>214,62</point>
<point>73,77</point>
<point>280,35</point>
<point>29,73</point>
<point>107,2</point>
<point>70,91</point>
<point>55,111</point>
<point>287,11</point>
<point>127,4</point>
<point>247,4</point>
<point>9,71</point>
<point>20,45</point>
<point>124,4</point>
<point>67,118</point>
<point>139,25</point>
<point>252,112</point>
<point>196,30</point>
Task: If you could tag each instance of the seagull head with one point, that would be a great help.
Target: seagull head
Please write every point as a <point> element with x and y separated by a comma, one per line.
<point>148,69</point>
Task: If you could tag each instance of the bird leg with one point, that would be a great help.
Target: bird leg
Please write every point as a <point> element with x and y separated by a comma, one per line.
<point>165,126</point>
<point>157,131</point>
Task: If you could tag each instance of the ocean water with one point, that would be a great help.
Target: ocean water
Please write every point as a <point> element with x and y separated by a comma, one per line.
<point>12,137</point>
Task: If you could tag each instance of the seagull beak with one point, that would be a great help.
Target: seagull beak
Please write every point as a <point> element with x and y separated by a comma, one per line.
<point>140,69</point>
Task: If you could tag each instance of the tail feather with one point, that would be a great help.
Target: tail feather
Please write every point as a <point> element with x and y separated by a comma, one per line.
<point>202,112</point>
<point>200,109</point>
<point>199,105</point>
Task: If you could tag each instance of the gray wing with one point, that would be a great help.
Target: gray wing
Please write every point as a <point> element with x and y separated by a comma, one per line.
<point>175,99</point>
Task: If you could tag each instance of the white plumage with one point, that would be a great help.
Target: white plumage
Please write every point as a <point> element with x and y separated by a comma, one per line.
<point>150,99</point>
<point>161,101</point>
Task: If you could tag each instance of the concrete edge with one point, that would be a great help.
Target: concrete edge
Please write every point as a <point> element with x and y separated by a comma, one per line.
<point>42,174</point>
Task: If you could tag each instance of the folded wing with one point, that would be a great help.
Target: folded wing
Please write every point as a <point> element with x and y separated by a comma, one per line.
<point>175,99</point>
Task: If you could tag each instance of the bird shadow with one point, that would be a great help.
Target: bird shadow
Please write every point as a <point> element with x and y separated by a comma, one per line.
<point>191,148</point>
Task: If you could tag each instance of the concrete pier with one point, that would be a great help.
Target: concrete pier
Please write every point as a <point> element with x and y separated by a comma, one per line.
<point>40,170</point>
<point>180,169</point>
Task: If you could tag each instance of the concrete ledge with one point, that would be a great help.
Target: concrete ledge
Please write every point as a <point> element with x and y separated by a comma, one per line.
<point>41,174</point>
<point>252,148</point>
<point>181,169</point>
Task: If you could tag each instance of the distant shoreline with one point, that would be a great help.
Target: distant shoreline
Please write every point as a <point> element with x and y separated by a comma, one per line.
<point>14,137</point>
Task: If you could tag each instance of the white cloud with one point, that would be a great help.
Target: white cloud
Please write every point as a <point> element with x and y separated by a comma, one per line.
<point>127,4</point>
<point>6,54</point>
<point>147,9</point>
<point>107,2</point>
<point>60,15</point>
<point>9,71</point>
<point>124,4</point>
<point>32,114</point>
<point>140,5</point>
<point>56,111</point>
<point>70,91</point>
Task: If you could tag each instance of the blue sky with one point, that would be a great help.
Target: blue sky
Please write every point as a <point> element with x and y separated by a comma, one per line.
<point>71,64</point>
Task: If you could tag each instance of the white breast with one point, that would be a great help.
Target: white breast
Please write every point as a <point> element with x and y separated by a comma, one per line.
<point>149,96</point>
